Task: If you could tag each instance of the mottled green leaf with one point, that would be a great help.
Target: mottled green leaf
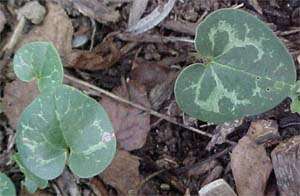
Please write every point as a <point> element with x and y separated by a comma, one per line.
<point>39,60</point>
<point>248,69</point>
<point>64,125</point>
<point>7,188</point>
<point>32,182</point>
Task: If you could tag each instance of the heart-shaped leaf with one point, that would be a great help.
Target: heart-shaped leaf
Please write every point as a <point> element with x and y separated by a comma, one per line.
<point>32,182</point>
<point>62,123</point>
<point>6,186</point>
<point>39,60</point>
<point>248,69</point>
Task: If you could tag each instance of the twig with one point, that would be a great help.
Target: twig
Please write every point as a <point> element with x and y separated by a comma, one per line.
<point>147,38</point>
<point>8,48</point>
<point>93,34</point>
<point>238,6</point>
<point>152,112</point>
<point>16,35</point>
<point>286,33</point>
<point>150,177</point>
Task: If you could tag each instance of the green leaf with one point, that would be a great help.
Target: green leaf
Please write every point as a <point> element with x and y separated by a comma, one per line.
<point>6,186</point>
<point>249,70</point>
<point>295,96</point>
<point>39,60</point>
<point>32,182</point>
<point>64,124</point>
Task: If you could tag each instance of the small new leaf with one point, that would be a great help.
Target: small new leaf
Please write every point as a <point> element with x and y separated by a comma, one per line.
<point>6,186</point>
<point>39,60</point>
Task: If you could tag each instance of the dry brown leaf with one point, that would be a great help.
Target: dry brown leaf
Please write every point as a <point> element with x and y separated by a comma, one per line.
<point>56,28</point>
<point>153,19</point>
<point>97,10</point>
<point>148,73</point>
<point>17,95</point>
<point>2,20</point>
<point>107,55</point>
<point>251,167</point>
<point>123,173</point>
<point>163,91</point>
<point>131,125</point>
<point>137,9</point>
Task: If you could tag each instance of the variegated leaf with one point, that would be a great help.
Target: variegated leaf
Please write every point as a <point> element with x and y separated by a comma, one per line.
<point>248,69</point>
<point>64,125</point>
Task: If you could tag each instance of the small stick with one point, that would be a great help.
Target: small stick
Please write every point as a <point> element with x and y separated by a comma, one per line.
<point>16,35</point>
<point>286,33</point>
<point>152,112</point>
<point>150,177</point>
<point>238,6</point>
<point>93,34</point>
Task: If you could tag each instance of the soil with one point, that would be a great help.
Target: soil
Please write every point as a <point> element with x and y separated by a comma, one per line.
<point>171,149</point>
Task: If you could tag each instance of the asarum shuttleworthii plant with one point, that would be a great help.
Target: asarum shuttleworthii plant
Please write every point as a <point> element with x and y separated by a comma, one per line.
<point>247,71</point>
<point>61,126</point>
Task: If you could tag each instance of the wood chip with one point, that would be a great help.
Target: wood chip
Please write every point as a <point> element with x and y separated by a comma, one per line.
<point>217,188</point>
<point>263,131</point>
<point>251,167</point>
<point>286,161</point>
<point>221,131</point>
